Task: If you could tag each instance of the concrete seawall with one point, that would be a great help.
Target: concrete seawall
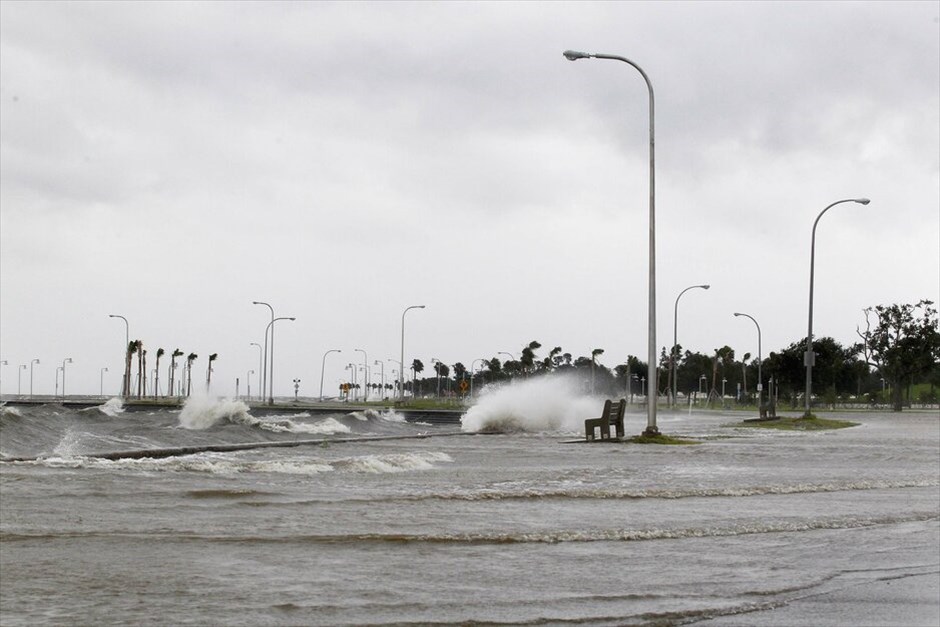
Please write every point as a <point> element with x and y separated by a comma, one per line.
<point>431,416</point>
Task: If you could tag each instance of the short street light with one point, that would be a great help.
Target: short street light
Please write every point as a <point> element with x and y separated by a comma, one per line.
<point>675,340</point>
<point>323,368</point>
<point>35,361</point>
<point>67,360</point>
<point>760,381</point>
<point>271,369</point>
<point>402,362</point>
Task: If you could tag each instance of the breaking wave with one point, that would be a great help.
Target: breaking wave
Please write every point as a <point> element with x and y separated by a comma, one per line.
<point>546,403</point>
<point>202,412</point>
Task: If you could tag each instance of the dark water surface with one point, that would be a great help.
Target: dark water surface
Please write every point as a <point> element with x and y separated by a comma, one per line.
<point>506,528</point>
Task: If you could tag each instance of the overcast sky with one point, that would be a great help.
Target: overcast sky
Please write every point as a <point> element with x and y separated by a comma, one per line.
<point>173,162</point>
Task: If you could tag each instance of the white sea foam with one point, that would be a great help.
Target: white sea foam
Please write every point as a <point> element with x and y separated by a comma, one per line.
<point>10,411</point>
<point>392,463</point>
<point>201,412</point>
<point>324,427</point>
<point>224,464</point>
<point>113,407</point>
<point>389,415</point>
<point>539,404</point>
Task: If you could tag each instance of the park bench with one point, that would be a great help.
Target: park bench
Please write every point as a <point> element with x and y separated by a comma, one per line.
<point>612,415</point>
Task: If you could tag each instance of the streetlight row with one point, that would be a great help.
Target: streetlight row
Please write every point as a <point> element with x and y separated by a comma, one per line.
<point>809,357</point>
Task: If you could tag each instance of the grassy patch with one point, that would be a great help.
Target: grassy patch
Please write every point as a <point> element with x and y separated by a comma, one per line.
<point>660,439</point>
<point>812,423</point>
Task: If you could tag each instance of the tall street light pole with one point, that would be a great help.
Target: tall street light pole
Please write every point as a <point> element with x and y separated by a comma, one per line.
<point>126,386</point>
<point>402,362</point>
<point>675,341</point>
<point>760,380</point>
<point>809,357</point>
<point>651,428</point>
<point>323,368</point>
<point>264,368</point>
<point>271,372</point>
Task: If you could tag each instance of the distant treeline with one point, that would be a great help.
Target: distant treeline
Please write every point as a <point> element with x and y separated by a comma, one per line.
<point>899,347</point>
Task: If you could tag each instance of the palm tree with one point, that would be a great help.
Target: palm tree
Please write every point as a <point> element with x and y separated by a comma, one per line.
<point>594,354</point>
<point>131,347</point>
<point>747,358</point>
<point>176,353</point>
<point>528,356</point>
<point>212,358</point>
<point>142,373</point>
<point>723,356</point>
<point>156,382</point>
<point>416,368</point>
<point>134,347</point>
<point>189,371</point>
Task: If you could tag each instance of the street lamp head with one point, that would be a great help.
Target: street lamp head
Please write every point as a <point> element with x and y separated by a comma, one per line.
<point>736,314</point>
<point>862,201</point>
<point>705,287</point>
<point>292,319</point>
<point>574,55</point>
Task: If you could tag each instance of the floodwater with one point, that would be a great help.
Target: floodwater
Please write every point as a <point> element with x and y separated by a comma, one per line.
<point>518,527</point>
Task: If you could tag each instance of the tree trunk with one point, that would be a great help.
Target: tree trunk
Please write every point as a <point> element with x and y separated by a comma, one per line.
<point>896,389</point>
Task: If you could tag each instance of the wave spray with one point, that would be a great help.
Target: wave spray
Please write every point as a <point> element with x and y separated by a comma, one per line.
<point>539,404</point>
<point>201,412</point>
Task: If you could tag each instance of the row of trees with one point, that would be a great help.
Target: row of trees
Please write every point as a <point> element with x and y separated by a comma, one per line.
<point>900,346</point>
<point>136,348</point>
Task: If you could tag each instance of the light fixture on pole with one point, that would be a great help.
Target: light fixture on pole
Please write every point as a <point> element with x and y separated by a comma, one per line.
<point>402,362</point>
<point>675,341</point>
<point>651,428</point>
<point>809,357</point>
<point>323,368</point>
<point>760,380</point>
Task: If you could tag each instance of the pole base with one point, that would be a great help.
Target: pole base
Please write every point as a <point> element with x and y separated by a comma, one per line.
<point>651,432</point>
